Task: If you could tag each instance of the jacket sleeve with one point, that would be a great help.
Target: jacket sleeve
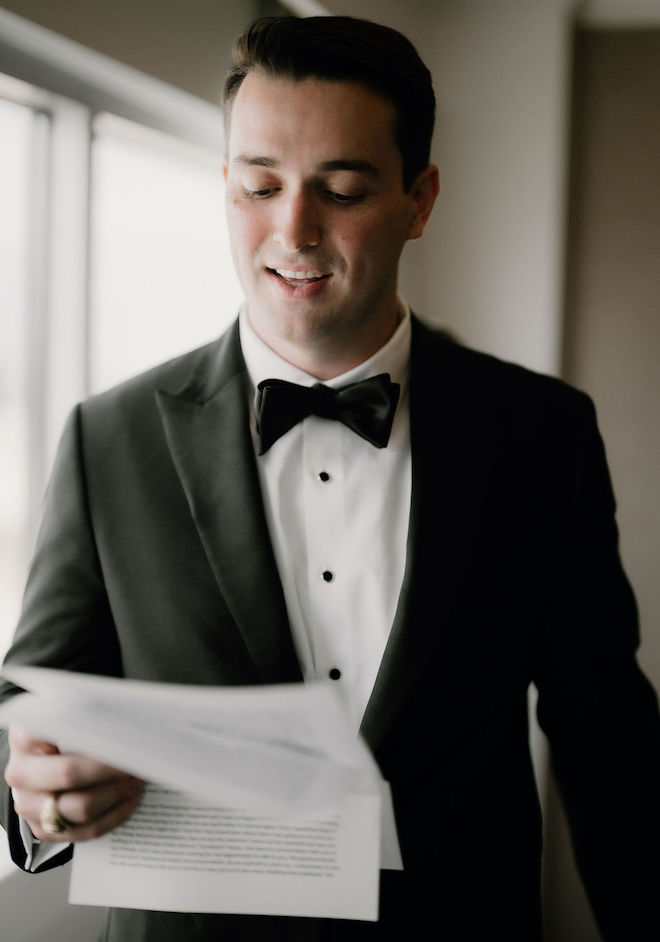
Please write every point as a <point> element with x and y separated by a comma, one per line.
<point>598,709</point>
<point>66,620</point>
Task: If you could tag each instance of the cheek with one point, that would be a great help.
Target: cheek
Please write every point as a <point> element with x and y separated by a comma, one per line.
<point>359,239</point>
<point>373,244</point>
<point>247,230</point>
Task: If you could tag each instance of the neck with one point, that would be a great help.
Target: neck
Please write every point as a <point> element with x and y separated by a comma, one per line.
<point>329,356</point>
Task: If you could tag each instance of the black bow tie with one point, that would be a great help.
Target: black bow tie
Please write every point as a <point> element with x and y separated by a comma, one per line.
<point>366,407</point>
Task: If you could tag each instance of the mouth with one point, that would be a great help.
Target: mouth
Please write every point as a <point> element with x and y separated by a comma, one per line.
<point>298,279</point>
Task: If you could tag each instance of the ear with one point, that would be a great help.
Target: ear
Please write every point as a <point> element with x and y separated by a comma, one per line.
<point>423,194</point>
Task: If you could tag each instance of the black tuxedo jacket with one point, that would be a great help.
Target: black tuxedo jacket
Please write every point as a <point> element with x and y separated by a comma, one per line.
<point>153,562</point>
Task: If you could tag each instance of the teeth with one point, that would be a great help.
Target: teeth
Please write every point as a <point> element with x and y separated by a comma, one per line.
<point>297,275</point>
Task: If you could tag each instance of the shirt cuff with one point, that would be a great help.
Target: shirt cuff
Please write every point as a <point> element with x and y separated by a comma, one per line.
<point>36,853</point>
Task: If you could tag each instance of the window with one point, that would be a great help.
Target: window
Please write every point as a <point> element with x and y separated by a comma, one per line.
<point>161,274</point>
<point>16,127</point>
<point>113,251</point>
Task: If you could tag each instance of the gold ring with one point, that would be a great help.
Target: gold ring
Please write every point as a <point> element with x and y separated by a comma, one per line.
<point>50,818</point>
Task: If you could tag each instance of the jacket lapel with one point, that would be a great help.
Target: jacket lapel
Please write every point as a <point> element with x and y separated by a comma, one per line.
<point>207,430</point>
<point>453,428</point>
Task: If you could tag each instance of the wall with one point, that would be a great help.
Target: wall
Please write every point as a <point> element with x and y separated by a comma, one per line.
<point>612,337</point>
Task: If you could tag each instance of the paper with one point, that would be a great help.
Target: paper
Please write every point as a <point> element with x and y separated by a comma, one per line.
<point>183,855</point>
<point>278,765</point>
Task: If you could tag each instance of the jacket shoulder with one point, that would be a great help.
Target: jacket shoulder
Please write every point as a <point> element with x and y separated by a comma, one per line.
<point>196,374</point>
<point>507,386</point>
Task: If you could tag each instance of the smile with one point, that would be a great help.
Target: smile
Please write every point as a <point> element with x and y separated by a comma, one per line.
<point>297,278</point>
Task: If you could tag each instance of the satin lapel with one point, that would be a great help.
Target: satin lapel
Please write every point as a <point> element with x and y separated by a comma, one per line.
<point>207,430</point>
<point>453,428</point>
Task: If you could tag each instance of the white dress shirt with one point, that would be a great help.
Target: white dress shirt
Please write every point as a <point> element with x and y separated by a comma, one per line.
<point>338,510</point>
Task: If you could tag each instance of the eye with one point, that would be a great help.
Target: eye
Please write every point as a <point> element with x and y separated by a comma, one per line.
<point>344,199</point>
<point>259,194</point>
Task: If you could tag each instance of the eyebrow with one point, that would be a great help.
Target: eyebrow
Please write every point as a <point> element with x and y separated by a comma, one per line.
<point>248,160</point>
<point>356,166</point>
<point>327,166</point>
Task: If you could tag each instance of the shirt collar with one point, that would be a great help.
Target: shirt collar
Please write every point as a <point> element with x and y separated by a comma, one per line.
<point>393,358</point>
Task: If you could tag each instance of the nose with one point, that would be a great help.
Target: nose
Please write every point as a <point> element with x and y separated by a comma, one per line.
<point>297,222</point>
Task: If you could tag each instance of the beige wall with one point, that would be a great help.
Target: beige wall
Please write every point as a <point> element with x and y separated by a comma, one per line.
<point>612,335</point>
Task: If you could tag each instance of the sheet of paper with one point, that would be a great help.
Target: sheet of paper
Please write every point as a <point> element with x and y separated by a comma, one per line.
<point>263,799</point>
<point>287,747</point>
<point>180,854</point>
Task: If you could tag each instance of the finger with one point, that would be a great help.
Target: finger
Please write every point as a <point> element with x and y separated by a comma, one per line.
<point>23,742</point>
<point>57,773</point>
<point>74,834</point>
<point>92,804</point>
<point>79,807</point>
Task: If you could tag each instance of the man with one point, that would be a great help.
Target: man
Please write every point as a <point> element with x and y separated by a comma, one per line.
<point>434,562</point>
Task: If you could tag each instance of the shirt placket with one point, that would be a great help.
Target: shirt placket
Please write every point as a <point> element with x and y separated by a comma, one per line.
<point>328,569</point>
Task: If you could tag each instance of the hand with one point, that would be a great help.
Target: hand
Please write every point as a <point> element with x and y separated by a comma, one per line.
<point>92,798</point>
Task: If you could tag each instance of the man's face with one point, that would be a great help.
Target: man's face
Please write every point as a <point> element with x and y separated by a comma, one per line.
<point>318,217</point>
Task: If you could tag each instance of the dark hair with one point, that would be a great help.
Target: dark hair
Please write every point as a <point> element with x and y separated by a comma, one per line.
<point>343,48</point>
